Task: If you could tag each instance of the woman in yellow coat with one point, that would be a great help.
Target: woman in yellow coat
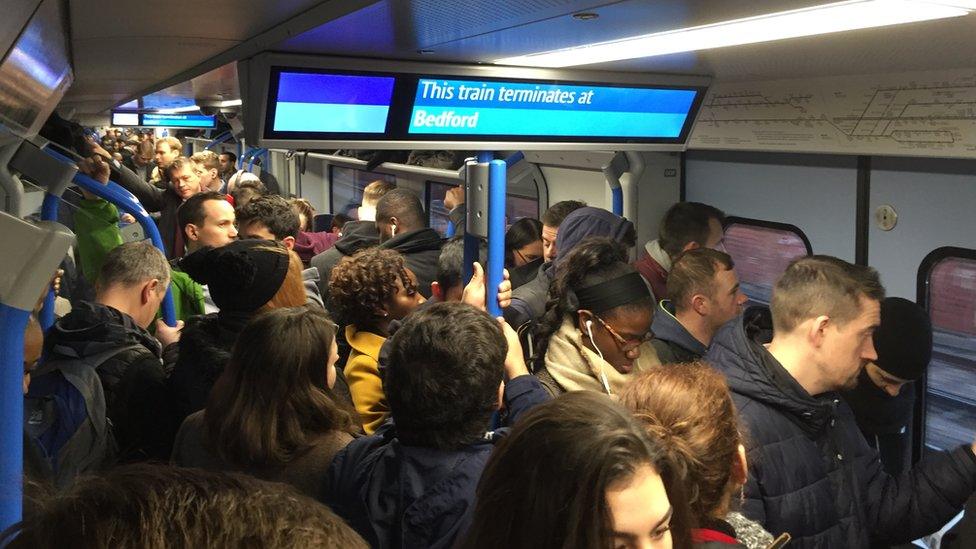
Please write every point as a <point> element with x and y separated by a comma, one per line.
<point>368,291</point>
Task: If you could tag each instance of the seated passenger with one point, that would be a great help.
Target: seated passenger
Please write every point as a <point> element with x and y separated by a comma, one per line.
<point>272,414</point>
<point>530,300</point>
<point>594,332</point>
<point>103,350</point>
<point>413,483</point>
<point>370,290</point>
<point>155,506</point>
<point>245,277</point>
<point>308,244</point>
<point>206,166</point>
<point>884,399</point>
<point>579,471</point>
<point>402,226</point>
<point>356,235</point>
<point>812,474</point>
<point>686,225</point>
<point>705,295</point>
<point>270,217</point>
<point>689,409</point>
<point>523,250</point>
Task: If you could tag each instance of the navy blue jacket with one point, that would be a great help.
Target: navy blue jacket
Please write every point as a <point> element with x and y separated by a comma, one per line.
<point>813,475</point>
<point>399,496</point>
<point>671,340</point>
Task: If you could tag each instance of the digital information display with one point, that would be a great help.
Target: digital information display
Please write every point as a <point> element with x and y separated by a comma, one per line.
<point>125,118</point>
<point>178,120</point>
<point>469,107</point>
<point>332,103</point>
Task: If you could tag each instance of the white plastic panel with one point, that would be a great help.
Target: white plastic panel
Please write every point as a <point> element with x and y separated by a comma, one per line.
<point>575,184</point>
<point>815,193</point>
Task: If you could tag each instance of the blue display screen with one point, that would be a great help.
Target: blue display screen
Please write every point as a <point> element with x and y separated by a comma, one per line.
<point>470,108</point>
<point>178,120</point>
<point>332,103</point>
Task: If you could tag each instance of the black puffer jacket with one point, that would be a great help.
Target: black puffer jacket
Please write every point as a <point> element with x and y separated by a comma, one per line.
<point>811,472</point>
<point>136,400</point>
<point>420,250</point>
<point>356,235</point>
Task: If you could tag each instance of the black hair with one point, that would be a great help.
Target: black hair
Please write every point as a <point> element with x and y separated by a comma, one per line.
<point>687,222</point>
<point>231,156</point>
<point>445,366</point>
<point>545,484</point>
<point>273,212</point>
<point>523,232</point>
<point>594,260</point>
<point>192,210</point>
<point>556,213</point>
<point>339,220</point>
<point>405,206</point>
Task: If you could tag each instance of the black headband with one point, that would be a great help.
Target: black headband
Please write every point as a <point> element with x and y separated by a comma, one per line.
<point>613,293</point>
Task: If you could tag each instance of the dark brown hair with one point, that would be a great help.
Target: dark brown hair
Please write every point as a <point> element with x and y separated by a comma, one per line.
<point>545,484</point>
<point>689,409</point>
<point>272,397</point>
<point>363,283</point>
<point>693,272</point>
<point>687,222</point>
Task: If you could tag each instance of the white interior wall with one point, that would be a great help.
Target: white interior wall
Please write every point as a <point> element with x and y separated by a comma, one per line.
<point>574,184</point>
<point>658,189</point>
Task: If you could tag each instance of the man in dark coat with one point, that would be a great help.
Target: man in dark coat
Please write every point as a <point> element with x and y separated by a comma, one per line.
<point>812,474</point>
<point>402,226</point>
<point>705,295</point>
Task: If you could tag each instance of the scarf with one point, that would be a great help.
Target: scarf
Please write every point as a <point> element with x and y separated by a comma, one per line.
<point>653,249</point>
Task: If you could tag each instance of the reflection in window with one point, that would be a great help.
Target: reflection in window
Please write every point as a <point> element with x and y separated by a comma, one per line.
<point>761,254</point>
<point>516,207</point>
<point>950,417</point>
<point>347,188</point>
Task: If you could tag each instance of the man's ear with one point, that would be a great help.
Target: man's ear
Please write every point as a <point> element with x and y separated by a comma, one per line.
<point>818,330</point>
<point>192,232</point>
<point>149,289</point>
<point>700,304</point>
<point>289,242</point>
<point>691,246</point>
<point>436,291</point>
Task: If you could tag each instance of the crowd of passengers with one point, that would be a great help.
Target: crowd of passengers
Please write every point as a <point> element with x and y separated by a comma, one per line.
<point>348,389</point>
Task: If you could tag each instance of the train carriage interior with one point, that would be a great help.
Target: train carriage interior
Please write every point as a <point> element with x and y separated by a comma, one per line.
<point>845,129</point>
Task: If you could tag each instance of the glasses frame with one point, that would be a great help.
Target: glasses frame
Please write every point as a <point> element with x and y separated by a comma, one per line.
<point>625,345</point>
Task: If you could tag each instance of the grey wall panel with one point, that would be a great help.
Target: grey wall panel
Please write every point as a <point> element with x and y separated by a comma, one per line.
<point>936,205</point>
<point>815,193</point>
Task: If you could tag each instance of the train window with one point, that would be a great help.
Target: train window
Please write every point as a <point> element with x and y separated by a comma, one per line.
<point>347,186</point>
<point>947,280</point>
<point>762,250</point>
<point>517,206</point>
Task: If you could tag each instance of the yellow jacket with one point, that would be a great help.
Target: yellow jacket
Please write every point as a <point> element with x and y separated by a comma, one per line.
<point>363,375</point>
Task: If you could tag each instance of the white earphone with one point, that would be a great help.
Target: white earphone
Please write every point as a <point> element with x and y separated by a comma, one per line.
<point>393,230</point>
<point>603,374</point>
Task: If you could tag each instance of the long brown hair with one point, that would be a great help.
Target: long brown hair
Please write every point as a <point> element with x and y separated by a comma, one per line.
<point>272,398</point>
<point>545,484</point>
<point>292,290</point>
<point>689,408</point>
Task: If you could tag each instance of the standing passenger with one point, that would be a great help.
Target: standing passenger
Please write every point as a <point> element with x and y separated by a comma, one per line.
<point>401,223</point>
<point>812,474</point>
<point>523,250</point>
<point>686,225</point>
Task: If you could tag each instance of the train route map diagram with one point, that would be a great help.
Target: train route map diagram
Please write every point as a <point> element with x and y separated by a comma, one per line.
<point>909,114</point>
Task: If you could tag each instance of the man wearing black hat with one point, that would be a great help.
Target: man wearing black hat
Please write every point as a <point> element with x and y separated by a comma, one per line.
<point>885,394</point>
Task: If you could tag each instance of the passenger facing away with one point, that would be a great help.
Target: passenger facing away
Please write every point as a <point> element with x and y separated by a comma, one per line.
<point>523,250</point>
<point>580,472</point>
<point>686,225</point>
<point>369,291</point>
<point>102,349</point>
<point>308,244</point>
<point>450,271</point>
<point>413,483</point>
<point>688,407</point>
<point>245,277</point>
<point>812,474</point>
<point>401,223</point>
<point>356,235</point>
<point>884,398</point>
<point>529,301</point>
<point>279,423</point>
<point>594,332</point>
<point>270,217</point>
<point>705,295</point>
<point>156,507</point>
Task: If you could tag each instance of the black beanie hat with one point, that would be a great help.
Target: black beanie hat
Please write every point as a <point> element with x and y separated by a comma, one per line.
<point>243,275</point>
<point>904,339</point>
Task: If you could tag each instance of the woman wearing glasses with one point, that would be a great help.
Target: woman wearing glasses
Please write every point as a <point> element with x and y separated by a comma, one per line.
<point>597,322</point>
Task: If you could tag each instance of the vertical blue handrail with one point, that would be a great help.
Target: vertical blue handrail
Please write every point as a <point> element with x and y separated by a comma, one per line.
<point>497,183</point>
<point>617,204</point>
<point>13,322</point>
<point>49,212</point>
<point>124,200</point>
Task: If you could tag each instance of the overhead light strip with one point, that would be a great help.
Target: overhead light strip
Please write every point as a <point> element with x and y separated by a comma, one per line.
<point>825,19</point>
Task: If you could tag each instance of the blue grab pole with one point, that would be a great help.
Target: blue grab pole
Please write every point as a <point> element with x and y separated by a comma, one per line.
<point>497,173</point>
<point>13,322</point>
<point>516,157</point>
<point>254,154</point>
<point>125,201</point>
<point>218,140</point>
<point>49,212</point>
<point>617,194</point>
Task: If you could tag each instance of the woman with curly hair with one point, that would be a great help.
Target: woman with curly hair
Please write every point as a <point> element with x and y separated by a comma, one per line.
<point>368,291</point>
